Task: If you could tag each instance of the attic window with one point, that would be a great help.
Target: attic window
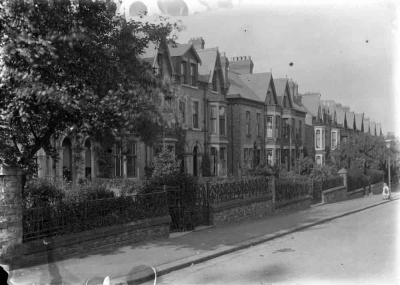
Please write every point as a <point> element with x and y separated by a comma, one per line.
<point>193,74</point>
<point>184,72</point>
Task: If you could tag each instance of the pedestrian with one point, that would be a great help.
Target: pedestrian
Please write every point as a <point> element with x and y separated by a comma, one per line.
<point>386,191</point>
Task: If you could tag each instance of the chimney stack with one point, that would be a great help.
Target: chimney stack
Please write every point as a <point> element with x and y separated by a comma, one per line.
<point>225,68</point>
<point>198,43</point>
<point>241,64</point>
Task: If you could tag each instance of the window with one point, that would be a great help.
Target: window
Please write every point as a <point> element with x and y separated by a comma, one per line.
<point>258,123</point>
<point>251,155</point>
<point>184,72</point>
<point>118,160</point>
<point>286,128</point>
<point>269,126</point>
<point>131,159</point>
<point>284,102</point>
<point>277,126</point>
<point>269,156</point>
<point>293,156</point>
<point>323,139</point>
<point>300,129</point>
<point>319,160</point>
<point>214,82</point>
<point>333,143</point>
<point>247,123</point>
<point>195,113</point>
<point>222,121</point>
<point>193,74</point>
<point>182,111</point>
<point>318,138</point>
<point>213,119</point>
<point>257,157</point>
<point>277,156</point>
<point>285,156</point>
<point>245,155</point>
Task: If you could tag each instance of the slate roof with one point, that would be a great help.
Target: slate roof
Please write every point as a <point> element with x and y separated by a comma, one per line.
<point>372,128</point>
<point>181,49</point>
<point>359,121</point>
<point>280,87</point>
<point>208,60</point>
<point>312,102</point>
<point>340,116</point>
<point>239,89</point>
<point>366,125</point>
<point>378,129</point>
<point>258,83</point>
<point>350,120</point>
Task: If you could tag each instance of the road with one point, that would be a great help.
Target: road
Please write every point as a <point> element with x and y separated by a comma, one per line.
<point>357,249</point>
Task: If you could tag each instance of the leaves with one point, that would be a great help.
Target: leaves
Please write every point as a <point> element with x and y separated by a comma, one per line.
<point>74,64</point>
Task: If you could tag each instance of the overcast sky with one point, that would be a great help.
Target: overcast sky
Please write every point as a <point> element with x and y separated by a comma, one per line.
<point>344,51</point>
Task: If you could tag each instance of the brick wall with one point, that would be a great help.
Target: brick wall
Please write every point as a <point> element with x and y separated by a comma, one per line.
<point>64,247</point>
<point>334,195</point>
<point>238,210</point>
<point>297,204</point>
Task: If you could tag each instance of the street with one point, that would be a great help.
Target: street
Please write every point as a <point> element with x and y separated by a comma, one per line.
<point>357,249</point>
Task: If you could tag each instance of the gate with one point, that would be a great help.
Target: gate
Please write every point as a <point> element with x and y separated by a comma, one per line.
<point>188,206</point>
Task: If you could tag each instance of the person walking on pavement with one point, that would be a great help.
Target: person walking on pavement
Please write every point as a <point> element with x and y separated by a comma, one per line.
<point>386,192</point>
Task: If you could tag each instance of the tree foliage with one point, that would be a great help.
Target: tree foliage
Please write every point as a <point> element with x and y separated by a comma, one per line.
<point>361,151</point>
<point>73,65</point>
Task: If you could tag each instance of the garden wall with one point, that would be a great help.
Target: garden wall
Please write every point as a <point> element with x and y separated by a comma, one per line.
<point>377,188</point>
<point>334,195</point>
<point>68,246</point>
<point>296,204</point>
<point>241,209</point>
<point>358,193</point>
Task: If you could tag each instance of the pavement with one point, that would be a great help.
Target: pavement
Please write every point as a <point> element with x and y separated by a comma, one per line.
<point>137,263</point>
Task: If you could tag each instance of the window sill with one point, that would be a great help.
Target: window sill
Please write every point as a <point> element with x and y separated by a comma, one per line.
<point>196,129</point>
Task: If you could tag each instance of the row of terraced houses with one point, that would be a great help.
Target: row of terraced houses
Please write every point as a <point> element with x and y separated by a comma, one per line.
<point>234,116</point>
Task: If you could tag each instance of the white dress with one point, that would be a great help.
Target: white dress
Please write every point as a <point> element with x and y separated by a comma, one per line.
<point>385,192</point>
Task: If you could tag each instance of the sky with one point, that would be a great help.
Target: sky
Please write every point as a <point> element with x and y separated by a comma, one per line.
<point>346,50</point>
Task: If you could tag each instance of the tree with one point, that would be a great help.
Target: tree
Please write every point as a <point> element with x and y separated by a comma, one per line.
<point>361,151</point>
<point>73,65</point>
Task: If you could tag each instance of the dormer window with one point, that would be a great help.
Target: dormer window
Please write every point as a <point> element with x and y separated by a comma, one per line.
<point>184,72</point>
<point>193,74</point>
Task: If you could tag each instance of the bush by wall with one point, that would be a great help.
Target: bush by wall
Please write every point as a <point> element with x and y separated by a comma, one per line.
<point>356,179</point>
<point>375,176</point>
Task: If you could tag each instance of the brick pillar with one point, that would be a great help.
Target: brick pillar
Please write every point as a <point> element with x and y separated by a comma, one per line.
<point>11,186</point>
<point>343,173</point>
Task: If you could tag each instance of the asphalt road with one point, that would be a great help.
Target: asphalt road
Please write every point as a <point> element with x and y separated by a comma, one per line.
<point>357,249</point>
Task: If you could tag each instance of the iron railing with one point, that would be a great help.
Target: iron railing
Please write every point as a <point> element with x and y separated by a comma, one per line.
<point>66,217</point>
<point>229,191</point>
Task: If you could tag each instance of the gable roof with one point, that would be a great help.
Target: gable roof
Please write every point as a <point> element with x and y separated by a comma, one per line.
<point>150,53</point>
<point>340,116</point>
<point>238,89</point>
<point>378,129</point>
<point>366,125</point>
<point>350,120</point>
<point>211,60</point>
<point>182,49</point>
<point>312,101</point>
<point>359,121</point>
<point>282,85</point>
<point>258,83</point>
<point>372,128</point>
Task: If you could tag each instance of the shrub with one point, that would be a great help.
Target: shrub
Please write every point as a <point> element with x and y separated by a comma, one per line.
<point>41,192</point>
<point>356,179</point>
<point>375,176</point>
